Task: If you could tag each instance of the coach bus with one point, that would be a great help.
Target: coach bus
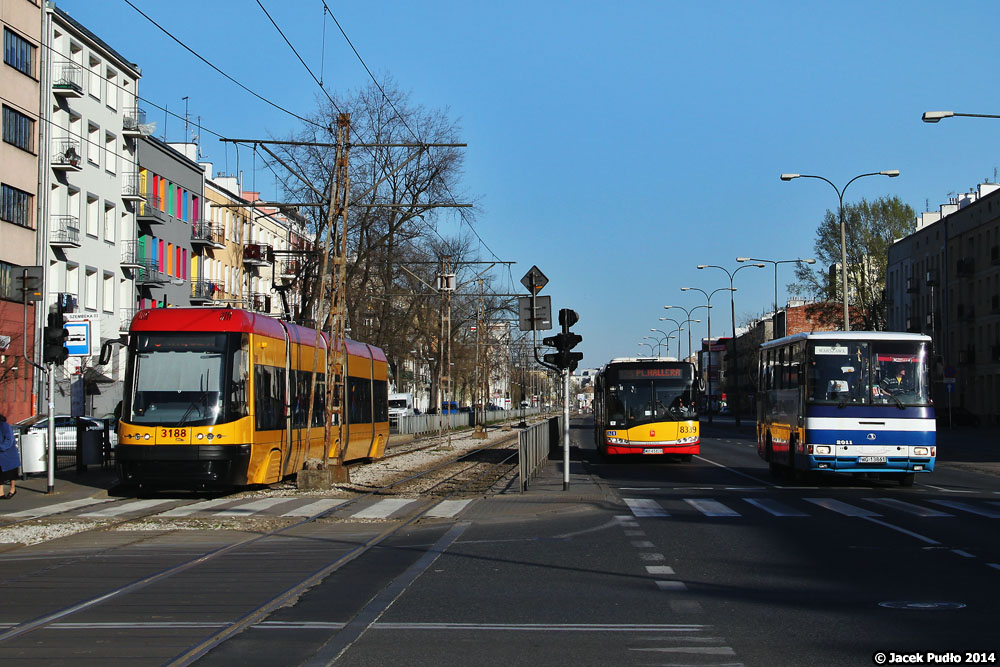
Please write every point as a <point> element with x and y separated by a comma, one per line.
<point>856,402</point>
<point>219,397</point>
<point>648,407</point>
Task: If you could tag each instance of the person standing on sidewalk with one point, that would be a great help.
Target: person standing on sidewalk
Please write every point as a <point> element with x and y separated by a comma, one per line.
<point>10,460</point>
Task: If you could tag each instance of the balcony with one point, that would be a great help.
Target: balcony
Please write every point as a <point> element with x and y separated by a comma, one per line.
<point>125,316</point>
<point>65,231</point>
<point>257,255</point>
<point>259,302</point>
<point>289,268</point>
<point>149,273</point>
<point>931,278</point>
<point>204,291</point>
<point>67,156</point>
<point>131,187</point>
<point>67,80</point>
<point>912,286</point>
<point>965,267</point>
<point>132,121</point>
<point>130,255</point>
<point>207,234</point>
<point>148,211</point>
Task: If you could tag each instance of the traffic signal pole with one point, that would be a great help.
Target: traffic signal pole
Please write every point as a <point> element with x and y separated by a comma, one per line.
<point>52,428</point>
<point>565,429</point>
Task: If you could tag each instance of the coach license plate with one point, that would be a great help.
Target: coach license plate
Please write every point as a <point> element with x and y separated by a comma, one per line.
<point>871,459</point>
<point>653,450</point>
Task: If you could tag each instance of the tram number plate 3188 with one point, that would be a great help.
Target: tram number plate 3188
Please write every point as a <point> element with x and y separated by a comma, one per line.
<point>173,432</point>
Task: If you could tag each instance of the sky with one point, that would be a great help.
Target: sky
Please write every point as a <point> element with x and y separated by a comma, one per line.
<point>614,145</point>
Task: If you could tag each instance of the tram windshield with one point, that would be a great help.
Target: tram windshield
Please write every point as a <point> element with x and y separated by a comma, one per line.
<point>868,373</point>
<point>187,379</point>
<point>635,402</point>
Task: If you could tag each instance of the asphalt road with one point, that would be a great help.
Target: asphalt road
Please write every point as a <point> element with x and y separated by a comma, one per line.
<point>639,562</point>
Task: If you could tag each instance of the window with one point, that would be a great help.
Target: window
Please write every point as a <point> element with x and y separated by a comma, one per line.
<point>15,206</point>
<point>90,297</point>
<point>108,299</point>
<point>94,143</point>
<point>109,222</point>
<point>112,96</point>
<point>18,129</point>
<point>93,215</point>
<point>111,152</point>
<point>18,52</point>
<point>72,279</point>
<point>95,78</point>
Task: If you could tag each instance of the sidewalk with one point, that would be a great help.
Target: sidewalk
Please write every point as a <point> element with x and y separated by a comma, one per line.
<point>69,485</point>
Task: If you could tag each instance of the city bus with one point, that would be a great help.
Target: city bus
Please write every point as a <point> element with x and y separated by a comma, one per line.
<point>646,406</point>
<point>219,397</point>
<point>856,402</point>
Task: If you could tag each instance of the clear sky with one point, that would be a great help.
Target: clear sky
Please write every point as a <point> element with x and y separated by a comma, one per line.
<point>615,145</point>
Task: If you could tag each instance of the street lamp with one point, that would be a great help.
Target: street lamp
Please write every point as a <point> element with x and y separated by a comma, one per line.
<point>650,346</point>
<point>936,116</point>
<point>776,262</point>
<point>687,313</point>
<point>708,305</point>
<point>891,173</point>
<point>666,337</point>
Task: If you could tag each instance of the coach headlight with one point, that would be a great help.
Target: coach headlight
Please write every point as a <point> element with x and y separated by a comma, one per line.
<point>921,451</point>
<point>822,449</point>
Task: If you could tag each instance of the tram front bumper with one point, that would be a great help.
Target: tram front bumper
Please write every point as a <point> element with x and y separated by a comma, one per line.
<point>189,466</point>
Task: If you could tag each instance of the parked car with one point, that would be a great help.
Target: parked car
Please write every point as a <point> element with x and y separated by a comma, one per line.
<point>65,430</point>
<point>959,416</point>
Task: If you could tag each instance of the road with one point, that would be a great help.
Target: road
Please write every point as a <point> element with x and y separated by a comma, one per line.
<point>639,563</point>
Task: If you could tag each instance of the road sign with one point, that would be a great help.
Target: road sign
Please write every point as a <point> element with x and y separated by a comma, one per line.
<point>949,371</point>
<point>949,381</point>
<point>542,319</point>
<point>27,283</point>
<point>950,388</point>
<point>78,341</point>
<point>534,280</point>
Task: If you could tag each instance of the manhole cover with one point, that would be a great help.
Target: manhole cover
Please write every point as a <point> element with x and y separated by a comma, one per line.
<point>909,604</point>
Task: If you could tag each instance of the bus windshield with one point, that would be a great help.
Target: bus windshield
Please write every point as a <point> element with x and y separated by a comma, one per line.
<point>867,373</point>
<point>635,402</point>
<point>186,379</point>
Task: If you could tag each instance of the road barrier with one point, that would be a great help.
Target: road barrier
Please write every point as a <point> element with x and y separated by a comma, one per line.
<point>534,445</point>
<point>418,424</point>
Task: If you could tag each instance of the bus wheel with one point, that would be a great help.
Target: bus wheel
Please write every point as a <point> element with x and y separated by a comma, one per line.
<point>685,457</point>
<point>906,479</point>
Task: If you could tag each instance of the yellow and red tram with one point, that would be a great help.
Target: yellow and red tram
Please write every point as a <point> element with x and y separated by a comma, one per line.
<point>219,397</point>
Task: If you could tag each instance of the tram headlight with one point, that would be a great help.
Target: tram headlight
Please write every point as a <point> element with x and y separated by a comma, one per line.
<point>211,435</point>
<point>822,449</point>
<point>201,436</point>
<point>145,437</point>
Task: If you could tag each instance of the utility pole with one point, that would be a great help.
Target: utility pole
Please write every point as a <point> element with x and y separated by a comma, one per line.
<point>480,393</point>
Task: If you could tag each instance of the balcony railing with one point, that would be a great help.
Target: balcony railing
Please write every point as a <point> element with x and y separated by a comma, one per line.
<point>207,233</point>
<point>259,302</point>
<point>67,155</point>
<point>131,187</point>
<point>132,121</point>
<point>149,272</point>
<point>65,231</point>
<point>130,254</point>
<point>290,268</point>
<point>148,211</point>
<point>912,286</point>
<point>125,316</point>
<point>255,254</point>
<point>204,291</point>
<point>68,79</point>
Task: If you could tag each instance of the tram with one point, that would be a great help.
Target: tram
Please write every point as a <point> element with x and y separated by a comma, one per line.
<point>218,397</point>
<point>648,407</point>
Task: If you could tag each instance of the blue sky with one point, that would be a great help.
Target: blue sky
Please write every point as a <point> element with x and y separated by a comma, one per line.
<point>616,145</point>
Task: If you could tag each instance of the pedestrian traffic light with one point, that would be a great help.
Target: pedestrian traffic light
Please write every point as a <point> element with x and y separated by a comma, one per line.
<point>564,342</point>
<point>54,340</point>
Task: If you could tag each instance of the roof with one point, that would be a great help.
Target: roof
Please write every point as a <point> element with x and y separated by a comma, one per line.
<point>849,336</point>
<point>76,25</point>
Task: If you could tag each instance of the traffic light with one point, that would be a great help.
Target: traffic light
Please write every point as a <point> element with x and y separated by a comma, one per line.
<point>54,340</point>
<point>564,342</point>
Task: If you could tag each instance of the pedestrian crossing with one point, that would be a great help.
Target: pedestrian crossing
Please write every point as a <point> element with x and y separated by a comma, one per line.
<point>805,507</point>
<point>228,508</point>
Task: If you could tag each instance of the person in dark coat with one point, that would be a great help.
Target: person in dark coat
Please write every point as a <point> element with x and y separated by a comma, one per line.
<point>10,459</point>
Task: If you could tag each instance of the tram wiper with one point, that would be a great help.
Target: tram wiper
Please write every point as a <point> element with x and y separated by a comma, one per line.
<point>194,404</point>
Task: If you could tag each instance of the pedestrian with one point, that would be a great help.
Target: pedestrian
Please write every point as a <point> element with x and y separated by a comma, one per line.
<point>10,460</point>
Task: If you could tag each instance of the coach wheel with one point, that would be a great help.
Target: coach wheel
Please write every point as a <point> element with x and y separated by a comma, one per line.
<point>906,478</point>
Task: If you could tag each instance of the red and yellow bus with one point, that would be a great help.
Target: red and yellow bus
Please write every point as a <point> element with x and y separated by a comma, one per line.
<point>646,406</point>
<point>219,397</point>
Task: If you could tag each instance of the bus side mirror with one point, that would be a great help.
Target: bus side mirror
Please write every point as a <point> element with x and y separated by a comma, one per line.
<point>106,349</point>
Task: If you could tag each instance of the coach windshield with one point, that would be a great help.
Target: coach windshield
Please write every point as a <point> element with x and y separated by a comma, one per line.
<point>187,379</point>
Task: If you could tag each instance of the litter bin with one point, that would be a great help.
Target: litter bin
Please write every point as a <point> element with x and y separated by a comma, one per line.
<point>33,457</point>
<point>91,444</point>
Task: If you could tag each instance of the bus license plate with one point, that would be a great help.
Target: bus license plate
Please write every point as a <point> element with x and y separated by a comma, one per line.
<point>652,450</point>
<point>871,459</point>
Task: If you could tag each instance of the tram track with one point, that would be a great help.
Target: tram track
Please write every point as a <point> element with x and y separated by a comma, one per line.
<point>459,475</point>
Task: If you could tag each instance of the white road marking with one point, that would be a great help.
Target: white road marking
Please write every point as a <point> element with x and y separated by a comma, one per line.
<point>659,569</point>
<point>703,650</point>
<point>966,507</point>
<point>252,507</point>
<point>644,507</point>
<point>671,585</point>
<point>963,554</point>
<point>118,510</point>
<point>642,544</point>
<point>447,509</point>
<point>57,508</point>
<point>196,507</point>
<point>918,510</point>
<point>841,507</point>
<point>710,507</point>
<point>383,508</point>
<point>651,556</point>
<point>317,507</point>
<point>774,507</point>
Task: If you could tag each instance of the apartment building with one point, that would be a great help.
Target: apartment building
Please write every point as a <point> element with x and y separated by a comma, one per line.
<point>944,280</point>
<point>20,91</point>
<point>90,186</point>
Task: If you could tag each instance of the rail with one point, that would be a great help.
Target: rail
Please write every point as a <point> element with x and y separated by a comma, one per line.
<point>534,445</point>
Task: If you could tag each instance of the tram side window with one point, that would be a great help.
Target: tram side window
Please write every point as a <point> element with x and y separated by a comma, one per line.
<point>238,388</point>
<point>319,401</point>
<point>380,395</point>
<point>299,400</point>
<point>269,395</point>
<point>359,400</point>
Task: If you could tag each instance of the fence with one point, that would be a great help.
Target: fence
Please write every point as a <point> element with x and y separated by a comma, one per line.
<point>534,445</point>
<point>417,424</point>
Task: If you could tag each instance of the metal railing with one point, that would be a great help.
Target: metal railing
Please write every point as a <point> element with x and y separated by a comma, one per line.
<point>65,230</point>
<point>204,290</point>
<point>132,120</point>
<point>148,210</point>
<point>68,77</point>
<point>534,444</point>
<point>131,185</point>
<point>208,232</point>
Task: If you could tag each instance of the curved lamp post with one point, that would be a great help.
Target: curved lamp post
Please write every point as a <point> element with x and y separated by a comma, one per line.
<point>891,173</point>
<point>687,313</point>
<point>666,337</point>
<point>776,262</point>
<point>708,305</point>
<point>650,346</point>
<point>936,116</point>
